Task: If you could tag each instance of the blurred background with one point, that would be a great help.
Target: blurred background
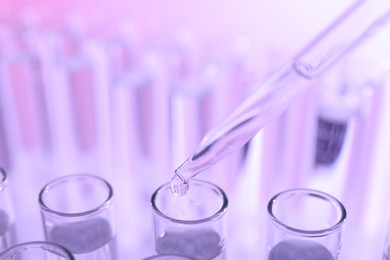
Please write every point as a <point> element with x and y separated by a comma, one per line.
<point>127,89</point>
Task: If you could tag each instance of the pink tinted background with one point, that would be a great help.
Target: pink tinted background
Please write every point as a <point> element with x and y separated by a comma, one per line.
<point>270,32</point>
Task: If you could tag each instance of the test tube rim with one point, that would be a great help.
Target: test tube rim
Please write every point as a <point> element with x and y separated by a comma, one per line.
<point>48,246</point>
<point>168,255</point>
<point>308,233</point>
<point>217,215</point>
<point>104,205</point>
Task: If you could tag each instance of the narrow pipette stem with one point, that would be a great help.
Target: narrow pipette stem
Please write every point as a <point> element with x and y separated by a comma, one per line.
<point>362,19</point>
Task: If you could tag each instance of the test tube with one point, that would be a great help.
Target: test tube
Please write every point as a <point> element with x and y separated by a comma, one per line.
<point>130,95</point>
<point>188,103</point>
<point>77,213</point>
<point>37,250</point>
<point>7,218</point>
<point>155,64</point>
<point>4,149</point>
<point>78,105</point>
<point>193,225</point>
<point>25,119</point>
<point>304,224</point>
<point>386,247</point>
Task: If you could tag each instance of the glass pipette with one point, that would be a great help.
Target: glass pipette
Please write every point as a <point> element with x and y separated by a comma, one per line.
<point>271,98</point>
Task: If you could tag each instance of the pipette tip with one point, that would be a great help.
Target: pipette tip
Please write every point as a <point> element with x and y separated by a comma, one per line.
<point>179,186</point>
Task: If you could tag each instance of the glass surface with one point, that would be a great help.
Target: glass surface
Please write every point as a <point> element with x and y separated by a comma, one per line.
<point>37,250</point>
<point>304,224</point>
<point>192,225</point>
<point>77,214</point>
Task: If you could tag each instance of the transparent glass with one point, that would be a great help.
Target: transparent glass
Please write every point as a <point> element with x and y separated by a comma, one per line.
<point>192,225</point>
<point>168,257</point>
<point>7,226</point>
<point>77,213</point>
<point>37,250</point>
<point>305,224</point>
<point>386,250</point>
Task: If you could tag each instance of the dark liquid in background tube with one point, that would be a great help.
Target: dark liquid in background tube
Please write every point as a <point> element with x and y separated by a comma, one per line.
<point>330,140</point>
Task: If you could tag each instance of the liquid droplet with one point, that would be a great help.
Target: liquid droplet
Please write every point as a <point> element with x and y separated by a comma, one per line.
<point>179,186</point>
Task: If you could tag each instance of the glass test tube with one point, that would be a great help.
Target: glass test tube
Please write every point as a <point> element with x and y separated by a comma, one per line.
<point>190,98</point>
<point>386,248</point>
<point>131,122</point>
<point>4,149</point>
<point>94,50</point>
<point>304,224</point>
<point>192,225</point>
<point>25,115</point>
<point>224,75</point>
<point>37,250</point>
<point>155,64</point>
<point>130,101</point>
<point>77,213</point>
<point>7,218</point>
<point>189,104</point>
<point>73,103</point>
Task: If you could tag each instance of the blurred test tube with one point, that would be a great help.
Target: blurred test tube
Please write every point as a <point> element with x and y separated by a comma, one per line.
<point>79,102</point>
<point>159,158</point>
<point>130,93</point>
<point>25,114</point>
<point>189,104</point>
<point>349,143</point>
<point>227,75</point>
<point>190,97</point>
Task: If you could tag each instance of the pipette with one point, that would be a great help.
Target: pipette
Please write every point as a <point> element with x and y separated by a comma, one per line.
<point>360,20</point>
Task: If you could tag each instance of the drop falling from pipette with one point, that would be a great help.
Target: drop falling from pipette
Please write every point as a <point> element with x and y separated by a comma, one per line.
<point>179,186</point>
